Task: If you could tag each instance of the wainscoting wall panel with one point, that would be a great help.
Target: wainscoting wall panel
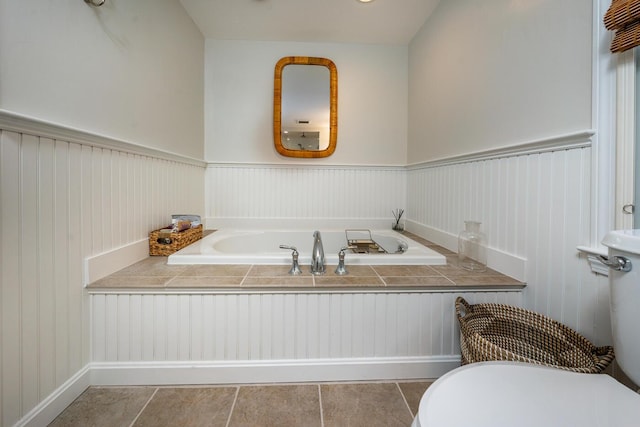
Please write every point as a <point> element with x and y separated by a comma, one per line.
<point>62,201</point>
<point>260,327</point>
<point>535,206</point>
<point>240,192</point>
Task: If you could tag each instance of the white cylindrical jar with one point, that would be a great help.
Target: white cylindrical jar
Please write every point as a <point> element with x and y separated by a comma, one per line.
<point>472,247</point>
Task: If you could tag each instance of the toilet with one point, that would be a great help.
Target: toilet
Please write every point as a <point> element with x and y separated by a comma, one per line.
<point>519,394</point>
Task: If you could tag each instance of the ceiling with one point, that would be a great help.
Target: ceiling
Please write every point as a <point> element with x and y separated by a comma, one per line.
<point>392,22</point>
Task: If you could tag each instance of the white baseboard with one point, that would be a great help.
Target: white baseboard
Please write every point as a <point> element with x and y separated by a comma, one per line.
<point>271,371</point>
<point>98,266</point>
<point>509,264</point>
<point>56,402</point>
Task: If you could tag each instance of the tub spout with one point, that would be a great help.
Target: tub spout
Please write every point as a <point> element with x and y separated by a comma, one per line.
<point>317,256</point>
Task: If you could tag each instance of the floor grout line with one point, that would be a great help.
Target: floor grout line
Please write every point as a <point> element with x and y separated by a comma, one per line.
<point>404,398</point>
<point>144,407</point>
<point>321,408</point>
<point>233,405</point>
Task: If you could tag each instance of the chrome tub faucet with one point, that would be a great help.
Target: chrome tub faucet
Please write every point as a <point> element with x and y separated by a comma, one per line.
<point>317,255</point>
<point>295,268</point>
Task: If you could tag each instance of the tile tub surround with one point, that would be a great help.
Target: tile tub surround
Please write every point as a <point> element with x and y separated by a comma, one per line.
<point>153,273</point>
<point>321,404</point>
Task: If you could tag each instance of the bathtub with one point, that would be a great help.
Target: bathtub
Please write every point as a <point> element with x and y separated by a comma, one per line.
<point>227,246</point>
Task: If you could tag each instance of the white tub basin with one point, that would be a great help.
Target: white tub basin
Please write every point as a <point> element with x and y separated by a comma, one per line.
<point>228,246</point>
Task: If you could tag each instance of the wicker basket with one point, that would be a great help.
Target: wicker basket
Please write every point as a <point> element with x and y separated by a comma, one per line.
<point>501,332</point>
<point>178,241</point>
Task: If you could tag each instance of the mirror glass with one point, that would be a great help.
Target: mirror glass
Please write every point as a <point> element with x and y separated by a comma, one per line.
<point>305,107</point>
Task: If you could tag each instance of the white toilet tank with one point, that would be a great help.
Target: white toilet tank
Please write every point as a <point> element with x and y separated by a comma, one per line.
<point>624,290</point>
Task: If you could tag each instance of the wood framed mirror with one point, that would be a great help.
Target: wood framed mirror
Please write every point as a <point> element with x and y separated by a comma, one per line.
<point>305,107</point>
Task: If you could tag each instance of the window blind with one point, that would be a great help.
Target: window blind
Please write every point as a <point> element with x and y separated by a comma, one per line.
<point>623,17</point>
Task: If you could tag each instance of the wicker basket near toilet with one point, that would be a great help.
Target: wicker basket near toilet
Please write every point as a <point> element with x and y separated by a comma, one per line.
<point>502,332</point>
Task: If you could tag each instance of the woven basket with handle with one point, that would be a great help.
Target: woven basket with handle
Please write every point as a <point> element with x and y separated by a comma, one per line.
<point>502,332</point>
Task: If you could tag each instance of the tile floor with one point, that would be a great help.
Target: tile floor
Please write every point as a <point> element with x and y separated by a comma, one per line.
<point>384,404</point>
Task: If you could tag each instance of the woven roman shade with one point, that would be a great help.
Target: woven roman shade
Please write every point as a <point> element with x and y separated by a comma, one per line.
<point>623,16</point>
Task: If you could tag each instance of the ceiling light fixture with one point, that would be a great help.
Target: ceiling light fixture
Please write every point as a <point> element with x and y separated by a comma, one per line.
<point>365,1</point>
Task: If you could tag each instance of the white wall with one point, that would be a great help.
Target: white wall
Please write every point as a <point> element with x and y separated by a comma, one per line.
<point>372,101</point>
<point>130,70</point>
<point>488,74</point>
<point>306,195</point>
<point>76,180</point>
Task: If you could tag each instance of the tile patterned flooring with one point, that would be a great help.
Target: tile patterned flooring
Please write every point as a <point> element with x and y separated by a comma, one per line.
<point>383,404</point>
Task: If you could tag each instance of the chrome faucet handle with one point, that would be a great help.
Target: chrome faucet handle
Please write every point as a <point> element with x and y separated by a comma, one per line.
<point>341,270</point>
<point>295,268</point>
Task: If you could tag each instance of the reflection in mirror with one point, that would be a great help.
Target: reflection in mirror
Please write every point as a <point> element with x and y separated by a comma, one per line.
<point>305,107</point>
<point>303,140</point>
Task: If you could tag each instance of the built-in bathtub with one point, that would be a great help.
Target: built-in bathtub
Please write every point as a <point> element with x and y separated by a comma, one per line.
<point>220,324</point>
<point>227,246</point>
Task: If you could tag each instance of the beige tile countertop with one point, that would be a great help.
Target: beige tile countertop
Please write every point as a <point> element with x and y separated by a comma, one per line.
<point>153,273</point>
